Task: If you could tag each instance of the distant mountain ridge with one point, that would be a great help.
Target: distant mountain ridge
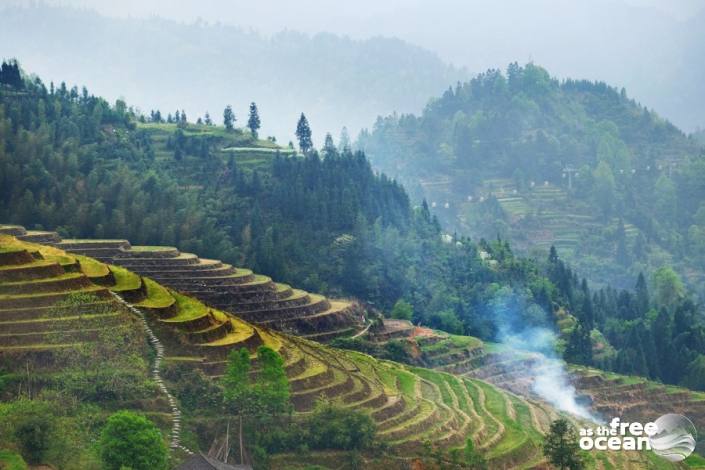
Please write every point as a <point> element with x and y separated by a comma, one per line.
<point>338,81</point>
<point>575,164</point>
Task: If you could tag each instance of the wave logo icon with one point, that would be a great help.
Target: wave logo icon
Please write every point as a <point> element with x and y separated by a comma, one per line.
<point>675,437</point>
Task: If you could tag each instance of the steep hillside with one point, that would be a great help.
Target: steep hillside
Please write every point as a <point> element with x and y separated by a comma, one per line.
<point>524,372</point>
<point>409,405</point>
<point>250,296</point>
<point>324,222</point>
<point>70,355</point>
<point>576,164</point>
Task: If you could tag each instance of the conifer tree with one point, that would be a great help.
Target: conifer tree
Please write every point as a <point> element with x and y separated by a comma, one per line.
<point>254,122</point>
<point>228,118</point>
<point>329,146</point>
<point>303,133</point>
<point>561,446</point>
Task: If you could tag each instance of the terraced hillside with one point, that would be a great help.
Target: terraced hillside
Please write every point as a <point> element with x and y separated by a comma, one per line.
<point>607,394</point>
<point>34,283</point>
<point>250,296</point>
<point>62,330</point>
<point>410,405</point>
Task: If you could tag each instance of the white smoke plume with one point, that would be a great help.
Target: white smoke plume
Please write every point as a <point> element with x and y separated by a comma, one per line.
<point>550,379</point>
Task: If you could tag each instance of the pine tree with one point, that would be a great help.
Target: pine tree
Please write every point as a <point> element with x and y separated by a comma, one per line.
<point>228,118</point>
<point>561,446</point>
<point>10,74</point>
<point>207,119</point>
<point>254,122</point>
<point>329,146</point>
<point>303,133</point>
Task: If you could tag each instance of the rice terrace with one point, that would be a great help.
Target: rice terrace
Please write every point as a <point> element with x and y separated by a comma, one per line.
<point>385,235</point>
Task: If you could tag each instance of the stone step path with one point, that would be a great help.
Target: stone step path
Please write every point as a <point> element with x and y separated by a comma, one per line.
<point>159,348</point>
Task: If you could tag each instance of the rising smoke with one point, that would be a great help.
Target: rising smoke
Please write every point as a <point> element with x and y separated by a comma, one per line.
<point>524,329</point>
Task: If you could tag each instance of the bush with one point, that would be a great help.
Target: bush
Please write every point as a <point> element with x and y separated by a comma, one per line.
<point>131,440</point>
<point>32,434</point>
<point>333,427</point>
<point>31,424</point>
<point>402,310</point>
<point>193,388</point>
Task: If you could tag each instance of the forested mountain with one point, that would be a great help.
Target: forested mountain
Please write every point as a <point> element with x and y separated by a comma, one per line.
<point>324,221</point>
<point>573,163</point>
<point>201,67</point>
<point>71,161</point>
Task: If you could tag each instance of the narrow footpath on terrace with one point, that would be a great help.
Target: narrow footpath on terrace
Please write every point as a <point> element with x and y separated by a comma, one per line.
<point>159,348</point>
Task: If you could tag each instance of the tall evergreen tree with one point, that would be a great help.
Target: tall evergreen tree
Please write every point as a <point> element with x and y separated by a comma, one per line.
<point>329,148</point>
<point>561,446</point>
<point>10,74</point>
<point>228,118</point>
<point>303,133</point>
<point>253,122</point>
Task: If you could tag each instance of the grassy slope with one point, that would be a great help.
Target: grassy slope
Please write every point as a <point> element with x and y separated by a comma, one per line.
<point>248,153</point>
<point>435,405</point>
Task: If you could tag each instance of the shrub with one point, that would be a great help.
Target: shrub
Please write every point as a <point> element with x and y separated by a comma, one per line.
<point>31,424</point>
<point>334,427</point>
<point>32,434</point>
<point>131,440</point>
<point>402,310</point>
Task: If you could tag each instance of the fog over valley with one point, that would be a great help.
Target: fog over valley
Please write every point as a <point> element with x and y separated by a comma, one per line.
<point>236,52</point>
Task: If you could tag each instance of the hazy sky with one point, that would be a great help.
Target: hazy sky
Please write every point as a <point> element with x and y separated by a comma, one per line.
<point>651,47</point>
<point>547,31</point>
<point>274,15</point>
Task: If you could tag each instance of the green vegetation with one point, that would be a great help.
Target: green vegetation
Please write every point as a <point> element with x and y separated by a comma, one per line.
<point>267,395</point>
<point>32,425</point>
<point>561,446</point>
<point>129,440</point>
<point>67,357</point>
<point>281,216</point>
<point>91,267</point>
<point>372,409</point>
<point>124,279</point>
<point>12,461</point>
<point>402,310</point>
<point>189,308</point>
<point>157,296</point>
<point>539,161</point>
<point>332,427</point>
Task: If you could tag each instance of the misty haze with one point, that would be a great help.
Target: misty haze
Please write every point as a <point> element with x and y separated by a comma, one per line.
<point>399,234</point>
